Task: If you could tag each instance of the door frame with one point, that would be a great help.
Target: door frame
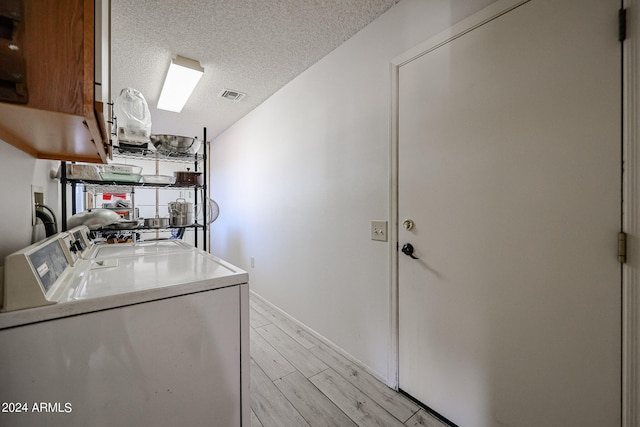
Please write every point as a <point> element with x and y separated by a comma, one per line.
<point>630,221</point>
<point>631,218</point>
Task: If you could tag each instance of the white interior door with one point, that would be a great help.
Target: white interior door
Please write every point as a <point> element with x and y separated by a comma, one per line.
<point>509,166</point>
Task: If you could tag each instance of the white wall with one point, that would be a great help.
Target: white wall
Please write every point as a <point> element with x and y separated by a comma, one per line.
<point>18,171</point>
<point>299,179</point>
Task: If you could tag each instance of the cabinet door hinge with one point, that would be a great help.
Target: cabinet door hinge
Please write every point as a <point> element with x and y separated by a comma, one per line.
<point>622,25</point>
<point>622,247</point>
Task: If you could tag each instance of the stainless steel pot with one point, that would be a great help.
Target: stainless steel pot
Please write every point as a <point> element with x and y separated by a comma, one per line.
<point>156,222</point>
<point>188,178</point>
<point>180,213</point>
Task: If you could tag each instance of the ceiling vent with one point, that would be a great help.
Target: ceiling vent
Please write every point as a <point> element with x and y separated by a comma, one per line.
<point>232,95</point>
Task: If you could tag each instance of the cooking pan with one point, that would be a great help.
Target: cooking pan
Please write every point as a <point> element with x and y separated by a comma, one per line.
<point>156,222</point>
<point>123,224</point>
<point>188,178</point>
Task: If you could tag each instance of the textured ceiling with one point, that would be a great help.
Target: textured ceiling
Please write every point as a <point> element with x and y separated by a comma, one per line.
<point>252,46</point>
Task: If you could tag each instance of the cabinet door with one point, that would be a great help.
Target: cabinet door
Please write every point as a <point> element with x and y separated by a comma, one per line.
<point>61,119</point>
<point>12,71</point>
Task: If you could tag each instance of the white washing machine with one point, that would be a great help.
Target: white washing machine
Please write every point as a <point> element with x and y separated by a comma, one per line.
<point>132,334</point>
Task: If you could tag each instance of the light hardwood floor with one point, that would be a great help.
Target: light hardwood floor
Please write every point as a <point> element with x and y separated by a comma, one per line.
<point>298,381</point>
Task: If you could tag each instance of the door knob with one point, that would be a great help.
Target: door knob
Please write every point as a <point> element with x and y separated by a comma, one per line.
<point>407,249</point>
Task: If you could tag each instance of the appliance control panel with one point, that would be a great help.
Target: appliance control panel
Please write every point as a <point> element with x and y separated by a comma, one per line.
<point>79,242</point>
<point>34,276</point>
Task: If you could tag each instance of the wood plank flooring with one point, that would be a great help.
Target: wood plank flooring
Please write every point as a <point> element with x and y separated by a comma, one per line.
<point>298,381</point>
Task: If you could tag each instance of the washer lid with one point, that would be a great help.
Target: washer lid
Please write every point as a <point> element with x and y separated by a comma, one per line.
<point>145,273</point>
<point>140,248</point>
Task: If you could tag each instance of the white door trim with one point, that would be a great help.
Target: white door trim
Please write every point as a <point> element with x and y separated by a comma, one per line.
<point>631,186</point>
<point>631,220</point>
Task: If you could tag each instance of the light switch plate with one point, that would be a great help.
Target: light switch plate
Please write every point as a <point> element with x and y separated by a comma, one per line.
<point>379,230</point>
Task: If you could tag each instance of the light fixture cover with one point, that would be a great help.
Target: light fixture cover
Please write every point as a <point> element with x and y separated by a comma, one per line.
<point>181,80</point>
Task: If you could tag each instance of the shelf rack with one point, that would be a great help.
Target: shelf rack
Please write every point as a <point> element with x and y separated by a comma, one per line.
<point>122,186</point>
<point>144,154</point>
<point>117,186</point>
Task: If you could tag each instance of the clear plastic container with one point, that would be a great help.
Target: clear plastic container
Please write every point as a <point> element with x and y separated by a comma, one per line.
<point>158,179</point>
<point>120,172</point>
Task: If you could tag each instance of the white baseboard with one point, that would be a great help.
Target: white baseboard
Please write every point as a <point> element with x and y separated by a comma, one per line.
<point>323,340</point>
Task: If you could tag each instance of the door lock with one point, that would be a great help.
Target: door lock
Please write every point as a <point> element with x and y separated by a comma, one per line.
<point>407,249</point>
<point>408,224</point>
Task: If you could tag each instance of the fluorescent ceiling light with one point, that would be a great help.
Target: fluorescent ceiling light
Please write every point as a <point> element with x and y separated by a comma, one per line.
<point>181,80</point>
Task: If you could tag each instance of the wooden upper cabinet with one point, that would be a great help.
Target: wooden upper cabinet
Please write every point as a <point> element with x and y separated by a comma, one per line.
<point>56,41</point>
